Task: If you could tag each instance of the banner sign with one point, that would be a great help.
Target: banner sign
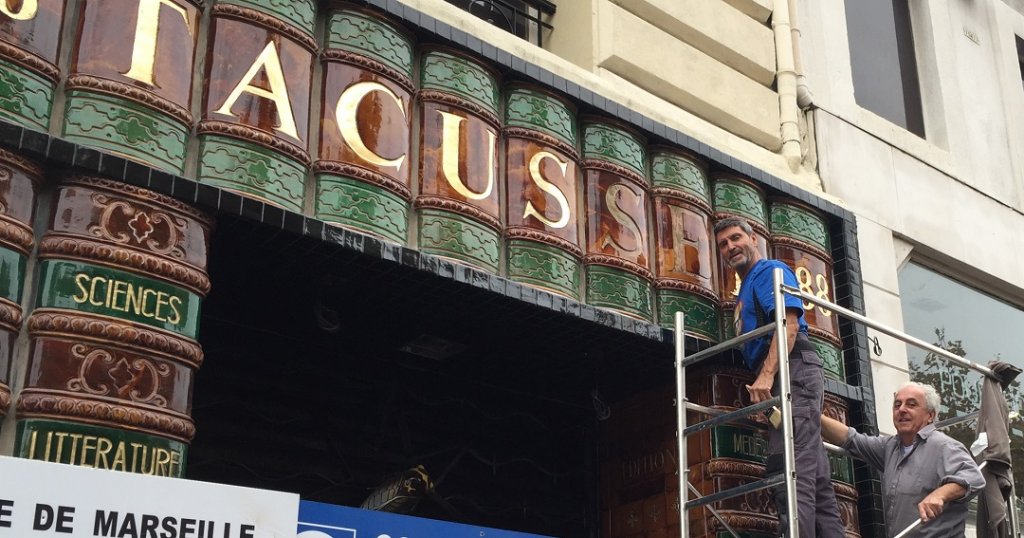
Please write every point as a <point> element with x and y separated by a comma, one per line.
<point>40,500</point>
<point>317,520</point>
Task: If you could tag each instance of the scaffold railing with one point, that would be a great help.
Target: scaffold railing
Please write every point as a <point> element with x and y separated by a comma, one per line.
<point>783,400</point>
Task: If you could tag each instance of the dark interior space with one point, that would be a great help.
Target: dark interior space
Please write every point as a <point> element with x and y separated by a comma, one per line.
<point>330,373</point>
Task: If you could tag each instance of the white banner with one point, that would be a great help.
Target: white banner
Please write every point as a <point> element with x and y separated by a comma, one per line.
<point>39,500</point>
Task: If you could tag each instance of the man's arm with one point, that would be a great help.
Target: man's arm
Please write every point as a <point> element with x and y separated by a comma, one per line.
<point>761,389</point>
<point>931,506</point>
<point>833,431</point>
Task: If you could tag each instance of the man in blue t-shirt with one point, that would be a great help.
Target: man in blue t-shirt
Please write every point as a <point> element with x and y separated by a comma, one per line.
<point>817,511</point>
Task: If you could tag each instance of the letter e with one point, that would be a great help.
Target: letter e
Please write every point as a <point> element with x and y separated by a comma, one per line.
<point>6,509</point>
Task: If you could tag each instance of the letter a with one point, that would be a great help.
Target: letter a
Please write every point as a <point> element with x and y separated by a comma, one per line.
<point>269,60</point>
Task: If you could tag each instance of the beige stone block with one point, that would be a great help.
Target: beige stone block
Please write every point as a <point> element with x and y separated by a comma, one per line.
<point>679,73</point>
<point>715,28</point>
<point>758,10</point>
<point>877,255</point>
<point>857,168</point>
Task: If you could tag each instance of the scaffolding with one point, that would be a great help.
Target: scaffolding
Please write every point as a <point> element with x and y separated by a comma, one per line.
<point>783,401</point>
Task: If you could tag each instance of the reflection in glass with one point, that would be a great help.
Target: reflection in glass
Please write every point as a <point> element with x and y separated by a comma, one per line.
<point>966,322</point>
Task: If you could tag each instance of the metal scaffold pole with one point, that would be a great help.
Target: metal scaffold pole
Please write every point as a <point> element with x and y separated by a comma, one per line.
<point>680,342</point>
<point>788,450</point>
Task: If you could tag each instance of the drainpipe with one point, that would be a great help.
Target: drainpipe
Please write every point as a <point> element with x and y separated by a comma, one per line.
<point>786,84</point>
<point>804,97</point>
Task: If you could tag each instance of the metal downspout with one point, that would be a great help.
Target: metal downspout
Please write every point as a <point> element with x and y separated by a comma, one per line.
<point>786,85</point>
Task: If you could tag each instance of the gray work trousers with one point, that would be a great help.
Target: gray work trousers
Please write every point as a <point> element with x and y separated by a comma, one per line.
<point>817,510</point>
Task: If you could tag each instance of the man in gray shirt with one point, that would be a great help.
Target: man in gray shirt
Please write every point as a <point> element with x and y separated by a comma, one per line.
<point>925,473</point>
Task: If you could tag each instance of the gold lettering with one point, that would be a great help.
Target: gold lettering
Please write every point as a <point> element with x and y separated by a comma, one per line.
<point>611,198</point>
<point>122,289</point>
<point>269,61</point>
<point>81,287</point>
<point>49,442</point>
<point>103,446</point>
<point>161,300</point>
<point>175,463</point>
<point>147,26</point>
<point>136,447</point>
<point>163,460</point>
<point>174,302</point>
<point>135,298</point>
<point>92,291</point>
<point>28,10</point>
<point>145,294</point>
<point>544,185</point>
<point>60,445</point>
<point>85,450</point>
<point>120,459</point>
<point>74,446</point>
<point>345,113</point>
<point>450,157</point>
<point>32,445</point>
<point>822,294</point>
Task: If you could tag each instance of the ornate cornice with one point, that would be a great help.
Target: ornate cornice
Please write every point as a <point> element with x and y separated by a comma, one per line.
<point>802,245</point>
<point>10,315</point>
<point>42,403</point>
<point>96,328</point>
<point>15,234</point>
<point>358,60</point>
<point>256,136</point>
<point>269,22</point>
<point>733,467</point>
<point>456,206</point>
<point>140,96</point>
<point>454,100</point>
<point>531,234</point>
<point>767,523</point>
<point>619,263</point>
<point>689,287</point>
<point>845,490</point>
<point>360,173</point>
<point>142,194</point>
<point>28,60</point>
<point>66,246</point>
<point>684,196</point>
<point>617,169</point>
<point>824,335</point>
<point>546,139</point>
<point>34,171</point>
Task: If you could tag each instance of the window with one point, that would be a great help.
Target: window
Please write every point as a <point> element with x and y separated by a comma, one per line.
<point>966,322</point>
<point>882,59</point>
<point>524,18</point>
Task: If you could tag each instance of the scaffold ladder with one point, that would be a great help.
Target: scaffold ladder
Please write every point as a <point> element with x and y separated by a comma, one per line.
<point>784,401</point>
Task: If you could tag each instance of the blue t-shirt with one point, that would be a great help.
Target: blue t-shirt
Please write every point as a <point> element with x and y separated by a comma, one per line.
<point>759,282</point>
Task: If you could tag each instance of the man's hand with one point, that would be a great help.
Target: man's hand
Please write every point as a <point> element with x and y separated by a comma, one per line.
<point>761,390</point>
<point>931,506</point>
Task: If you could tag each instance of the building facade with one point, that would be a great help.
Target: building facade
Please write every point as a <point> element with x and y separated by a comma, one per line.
<point>422,256</point>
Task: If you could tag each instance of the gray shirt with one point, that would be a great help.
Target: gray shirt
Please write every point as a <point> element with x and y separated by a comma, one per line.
<point>935,459</point>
